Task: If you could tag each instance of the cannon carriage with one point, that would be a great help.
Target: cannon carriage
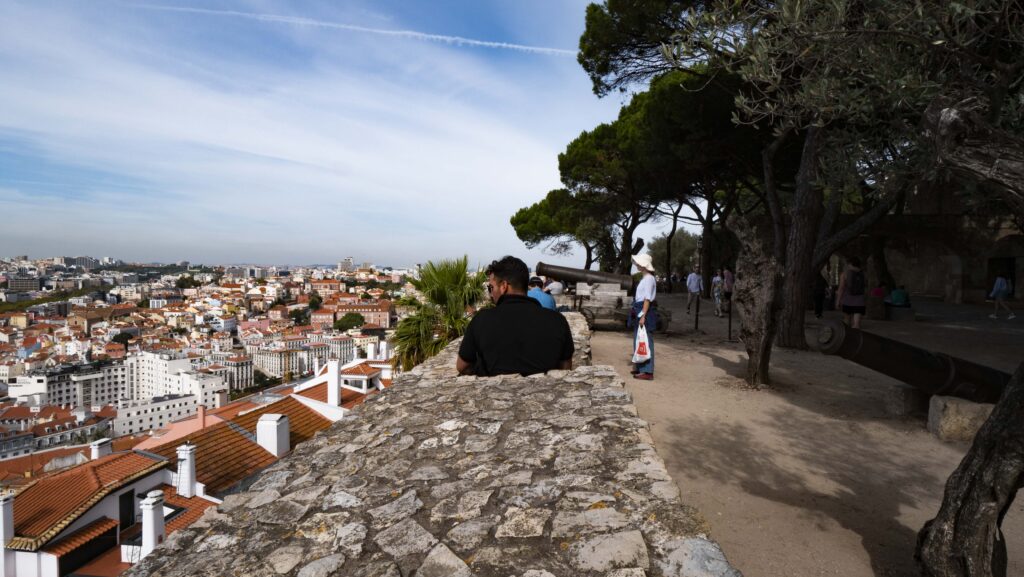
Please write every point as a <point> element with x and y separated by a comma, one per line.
<point>602,298</point>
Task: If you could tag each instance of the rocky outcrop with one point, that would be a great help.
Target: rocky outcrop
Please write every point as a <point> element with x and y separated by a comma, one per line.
<point>442,475</point>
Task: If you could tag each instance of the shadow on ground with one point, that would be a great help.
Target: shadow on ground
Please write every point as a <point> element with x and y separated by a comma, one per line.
<point>868,485</point>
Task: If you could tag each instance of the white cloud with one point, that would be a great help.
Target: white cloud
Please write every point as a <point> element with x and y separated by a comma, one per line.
<point>406,152</point>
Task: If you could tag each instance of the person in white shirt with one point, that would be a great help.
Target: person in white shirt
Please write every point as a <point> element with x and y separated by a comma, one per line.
<point>644,314</point>
<point>1000,290</point>
<point>554,287</point>
<point>694,286</point>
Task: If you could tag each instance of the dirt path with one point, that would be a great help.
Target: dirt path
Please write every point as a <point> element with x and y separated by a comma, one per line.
<point>809,478</point>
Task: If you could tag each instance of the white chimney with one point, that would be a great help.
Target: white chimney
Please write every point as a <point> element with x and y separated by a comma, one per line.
<point>272,433</point>
<point>186,485</point>
<point>7,565</point>
<point>6,520</point>
<point>99,449</point>
<point>152,521</point>
<point>333,383</point>
<point>371,351</point>
<point>383,355</point>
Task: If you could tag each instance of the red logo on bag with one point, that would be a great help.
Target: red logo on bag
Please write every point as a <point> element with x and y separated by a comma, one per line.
<point>641,348</point>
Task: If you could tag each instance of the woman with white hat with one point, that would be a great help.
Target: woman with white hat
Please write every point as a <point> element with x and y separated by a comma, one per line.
<point>643,314</point>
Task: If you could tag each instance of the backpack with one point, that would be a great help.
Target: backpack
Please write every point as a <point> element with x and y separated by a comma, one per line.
<point>856,287</point>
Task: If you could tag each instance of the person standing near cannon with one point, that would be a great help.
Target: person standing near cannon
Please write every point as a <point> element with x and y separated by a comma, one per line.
<point>644,314</point>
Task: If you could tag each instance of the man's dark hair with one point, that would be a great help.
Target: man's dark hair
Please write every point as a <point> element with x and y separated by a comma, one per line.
<point>511,270</point>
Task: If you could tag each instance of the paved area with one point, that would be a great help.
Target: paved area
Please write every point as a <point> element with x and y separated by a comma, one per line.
<point>811,477</point>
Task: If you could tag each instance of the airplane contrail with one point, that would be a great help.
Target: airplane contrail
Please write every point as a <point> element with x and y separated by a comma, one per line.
<point>299,21</point>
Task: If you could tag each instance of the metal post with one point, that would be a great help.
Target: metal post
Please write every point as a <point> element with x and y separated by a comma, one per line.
<point>696,316</point>
<point>730,320</point>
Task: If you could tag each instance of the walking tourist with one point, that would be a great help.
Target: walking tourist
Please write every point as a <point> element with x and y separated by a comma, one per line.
<point>851,292</point>
<point>727,287</point>
<point>717,291</point>
<point>517,335</point>
<point>1000,290</point>
<point>694,286</point>
<point>644,314</point>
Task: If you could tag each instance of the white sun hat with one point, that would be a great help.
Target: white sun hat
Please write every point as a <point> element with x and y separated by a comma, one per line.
<point>643,261</point>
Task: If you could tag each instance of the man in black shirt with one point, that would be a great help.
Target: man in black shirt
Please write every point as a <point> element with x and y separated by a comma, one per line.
<point>517,336</point>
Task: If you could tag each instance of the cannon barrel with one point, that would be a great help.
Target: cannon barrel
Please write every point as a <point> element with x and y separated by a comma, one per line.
<point>932,372</point>
<point>625,282</point>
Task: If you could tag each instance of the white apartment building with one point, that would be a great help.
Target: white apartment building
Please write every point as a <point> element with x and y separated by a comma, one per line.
<point>339,347</point>
<point>140,416</point>
<point>77,385</point>
<point>159,374</point>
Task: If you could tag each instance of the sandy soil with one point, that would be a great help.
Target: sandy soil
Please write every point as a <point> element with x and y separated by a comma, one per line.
<point>811,477</point>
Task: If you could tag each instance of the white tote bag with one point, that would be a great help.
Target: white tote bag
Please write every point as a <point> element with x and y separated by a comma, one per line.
<point>642,351</point>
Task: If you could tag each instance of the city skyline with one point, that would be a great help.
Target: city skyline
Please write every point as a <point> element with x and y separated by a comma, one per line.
<point>245,131</point>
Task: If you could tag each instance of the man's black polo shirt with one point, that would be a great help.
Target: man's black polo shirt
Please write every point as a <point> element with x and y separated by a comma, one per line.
<point>516,336</point>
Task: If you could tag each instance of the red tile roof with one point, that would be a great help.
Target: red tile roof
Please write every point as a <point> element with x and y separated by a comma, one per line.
<point>81,537</point>
<point>194,508</point>
<point>46,507</point>
<point>224,457</point>
<point>303,422</point>
<point>349,398</point>
<point>362,369</point>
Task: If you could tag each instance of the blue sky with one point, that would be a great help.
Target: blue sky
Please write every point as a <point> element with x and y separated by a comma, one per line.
<point>285,132</point>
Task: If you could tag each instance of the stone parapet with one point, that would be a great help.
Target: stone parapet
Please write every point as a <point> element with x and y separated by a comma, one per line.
<point>542,476</point>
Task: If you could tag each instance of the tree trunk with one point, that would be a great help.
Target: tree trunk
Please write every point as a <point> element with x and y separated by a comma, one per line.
<point>705,254</point>
<point>756,294</point>
<point>878,266</point>
<point>668,246</point>
<point>964,539</point>
<point>808,209</point>
<point>970,147</point>
<point>590,256</point>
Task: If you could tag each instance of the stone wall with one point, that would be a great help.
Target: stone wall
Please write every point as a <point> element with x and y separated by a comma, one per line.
<point>442,475</point>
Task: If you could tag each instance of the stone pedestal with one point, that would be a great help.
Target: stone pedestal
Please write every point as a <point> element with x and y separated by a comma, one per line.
<point>904,400</point>
<point>954,419</point>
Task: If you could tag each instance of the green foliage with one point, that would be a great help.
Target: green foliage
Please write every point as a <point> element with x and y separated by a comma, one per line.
<point>684,247</point>
<point>55,296</point>
<point>143,304</point>
<point>122,338</point>
<point>300,316</point>
<point>187,281</point>
<point>450,291</point>
<point>561,219</point>
<point>621,45</point>
<point>315,301</point>
<point>349,321</point>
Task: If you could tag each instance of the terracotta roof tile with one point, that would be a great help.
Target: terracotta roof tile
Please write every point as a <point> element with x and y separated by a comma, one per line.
<point>194,508</point>
<point>349,398</point>
<point>47,506</point>
<point>303,422</point>
<point>224,456</point>
<point>81,537</point>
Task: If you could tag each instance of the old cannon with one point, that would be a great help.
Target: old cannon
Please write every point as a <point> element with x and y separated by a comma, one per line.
<point>932,372</point>
<point>601,297</point>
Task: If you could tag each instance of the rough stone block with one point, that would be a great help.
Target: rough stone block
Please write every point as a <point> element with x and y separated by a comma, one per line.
<point>904,400</point>
<point>954,419</point>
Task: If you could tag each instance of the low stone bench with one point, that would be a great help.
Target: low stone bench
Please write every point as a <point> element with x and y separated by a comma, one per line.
<point>955,419</point>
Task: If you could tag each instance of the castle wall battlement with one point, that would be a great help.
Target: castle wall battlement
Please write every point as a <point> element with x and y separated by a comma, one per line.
<point>441,475</point>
